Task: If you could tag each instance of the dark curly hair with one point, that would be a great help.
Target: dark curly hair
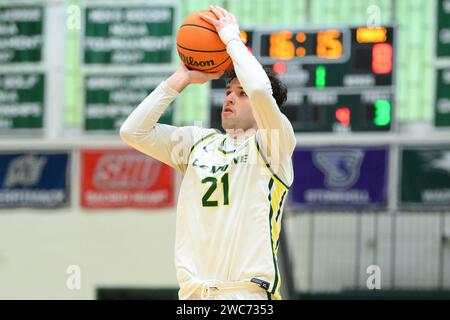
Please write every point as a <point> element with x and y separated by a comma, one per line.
<point>279,89</point>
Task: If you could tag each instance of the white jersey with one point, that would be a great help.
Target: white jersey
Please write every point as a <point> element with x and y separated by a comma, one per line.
<point>228,216</point>
<point>230,203</point>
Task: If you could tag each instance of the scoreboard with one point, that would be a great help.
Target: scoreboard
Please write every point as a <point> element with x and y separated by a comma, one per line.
<point>339,79</point>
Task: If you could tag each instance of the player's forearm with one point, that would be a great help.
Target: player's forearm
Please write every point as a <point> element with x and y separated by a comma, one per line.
<point>249,71</point>
<point>178,81</point>
<point>147,113</point>
<point>257,85</point>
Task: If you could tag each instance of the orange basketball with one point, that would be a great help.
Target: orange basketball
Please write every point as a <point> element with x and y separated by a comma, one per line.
<point>199,45</point>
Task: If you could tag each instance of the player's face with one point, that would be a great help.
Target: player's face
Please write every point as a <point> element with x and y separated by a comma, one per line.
<point>236,109</point>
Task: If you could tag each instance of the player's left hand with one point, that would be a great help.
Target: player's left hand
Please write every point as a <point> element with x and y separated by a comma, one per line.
<point>225,24</point>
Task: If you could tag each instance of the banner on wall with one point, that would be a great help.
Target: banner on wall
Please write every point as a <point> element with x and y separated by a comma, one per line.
<point>110,98</point>
<point>443,29</point>
<point>21,34</point>
<point>343,177</point>
<point>21,101</point>
<point>119,178</point>
<point>425,177</point>
<point>21,44</point>
<point>116,35</point>
<point>442,98</point>
<point>34,179</point>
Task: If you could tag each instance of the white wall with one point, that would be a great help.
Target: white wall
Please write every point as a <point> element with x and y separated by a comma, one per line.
<point>120,248</point>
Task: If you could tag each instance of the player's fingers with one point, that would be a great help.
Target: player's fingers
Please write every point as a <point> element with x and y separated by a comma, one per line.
<point>217,75</point>
<point>208,18</point>
<point>222,11</point>
<point>219,14</point>
<point>202,77</point>
<point>213,75</point>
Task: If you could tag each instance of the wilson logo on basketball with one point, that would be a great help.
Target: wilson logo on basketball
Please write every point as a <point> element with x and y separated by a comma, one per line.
<point>192,62</point>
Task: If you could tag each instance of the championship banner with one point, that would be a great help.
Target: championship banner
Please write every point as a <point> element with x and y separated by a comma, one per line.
<point>111,97</point>
<point>443,29</point>
<point>21,44</point>
<point>340,177</point>
<point>21,34</point>
<point>34,179</point>
<point>116,35</point>
<point>442,98</point>
<point>119,178</point>
<point>21,101</point>
<point>425,177</point>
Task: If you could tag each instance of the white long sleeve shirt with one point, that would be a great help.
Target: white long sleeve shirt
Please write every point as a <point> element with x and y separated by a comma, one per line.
<point>232,194</point>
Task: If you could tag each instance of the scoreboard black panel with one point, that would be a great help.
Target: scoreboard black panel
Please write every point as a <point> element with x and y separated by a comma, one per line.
<point>339,79</point>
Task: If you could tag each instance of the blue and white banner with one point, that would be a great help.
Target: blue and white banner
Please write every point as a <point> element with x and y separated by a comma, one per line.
<point>340,177</point>
<point>34,179</point>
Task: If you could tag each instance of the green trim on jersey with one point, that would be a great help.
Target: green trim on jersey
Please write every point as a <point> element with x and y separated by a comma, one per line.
<point>220,149</point>
<point>266,163</point>
<point>195,145</point>
<point>280,205</point>
<point>275,282</point>
<point>279,213</point>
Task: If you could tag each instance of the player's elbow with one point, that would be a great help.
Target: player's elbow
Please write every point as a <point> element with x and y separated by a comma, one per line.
<point>292,140</point>
<point>125,134</point>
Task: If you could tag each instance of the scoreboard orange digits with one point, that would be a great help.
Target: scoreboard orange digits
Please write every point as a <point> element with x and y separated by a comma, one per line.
<point>328,44</point>
<point>281,45</point>
<point>285,45</point>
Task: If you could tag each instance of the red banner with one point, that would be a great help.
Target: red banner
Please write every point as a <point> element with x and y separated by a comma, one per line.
<point>117,178</point>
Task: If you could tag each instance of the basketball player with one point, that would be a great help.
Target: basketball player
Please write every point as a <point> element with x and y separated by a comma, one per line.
<point>234,186</point>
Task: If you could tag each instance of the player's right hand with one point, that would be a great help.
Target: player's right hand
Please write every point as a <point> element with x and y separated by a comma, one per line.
<point>225,24</point>
<point>196,76</point>
<point>182,77</point>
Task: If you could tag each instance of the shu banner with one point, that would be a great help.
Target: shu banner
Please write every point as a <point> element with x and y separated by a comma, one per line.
<point>118,178</point>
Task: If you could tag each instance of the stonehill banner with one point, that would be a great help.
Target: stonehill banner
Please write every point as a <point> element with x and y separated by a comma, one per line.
<point>425,177</point>
<point>340,177</point>
<point>34,179</point>
<point>124,178</point>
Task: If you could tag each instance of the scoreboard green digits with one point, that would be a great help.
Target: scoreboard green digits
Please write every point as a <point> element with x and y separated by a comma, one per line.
<point>338,78</point>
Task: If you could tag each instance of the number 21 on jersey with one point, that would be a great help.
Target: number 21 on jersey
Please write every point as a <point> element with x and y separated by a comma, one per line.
<point>206,201</point>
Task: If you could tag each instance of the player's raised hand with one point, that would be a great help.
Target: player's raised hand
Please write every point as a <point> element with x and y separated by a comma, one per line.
<point>182,77</point>
<point>196,76</point>
<point>224,18</point>
<point>225,24</point>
